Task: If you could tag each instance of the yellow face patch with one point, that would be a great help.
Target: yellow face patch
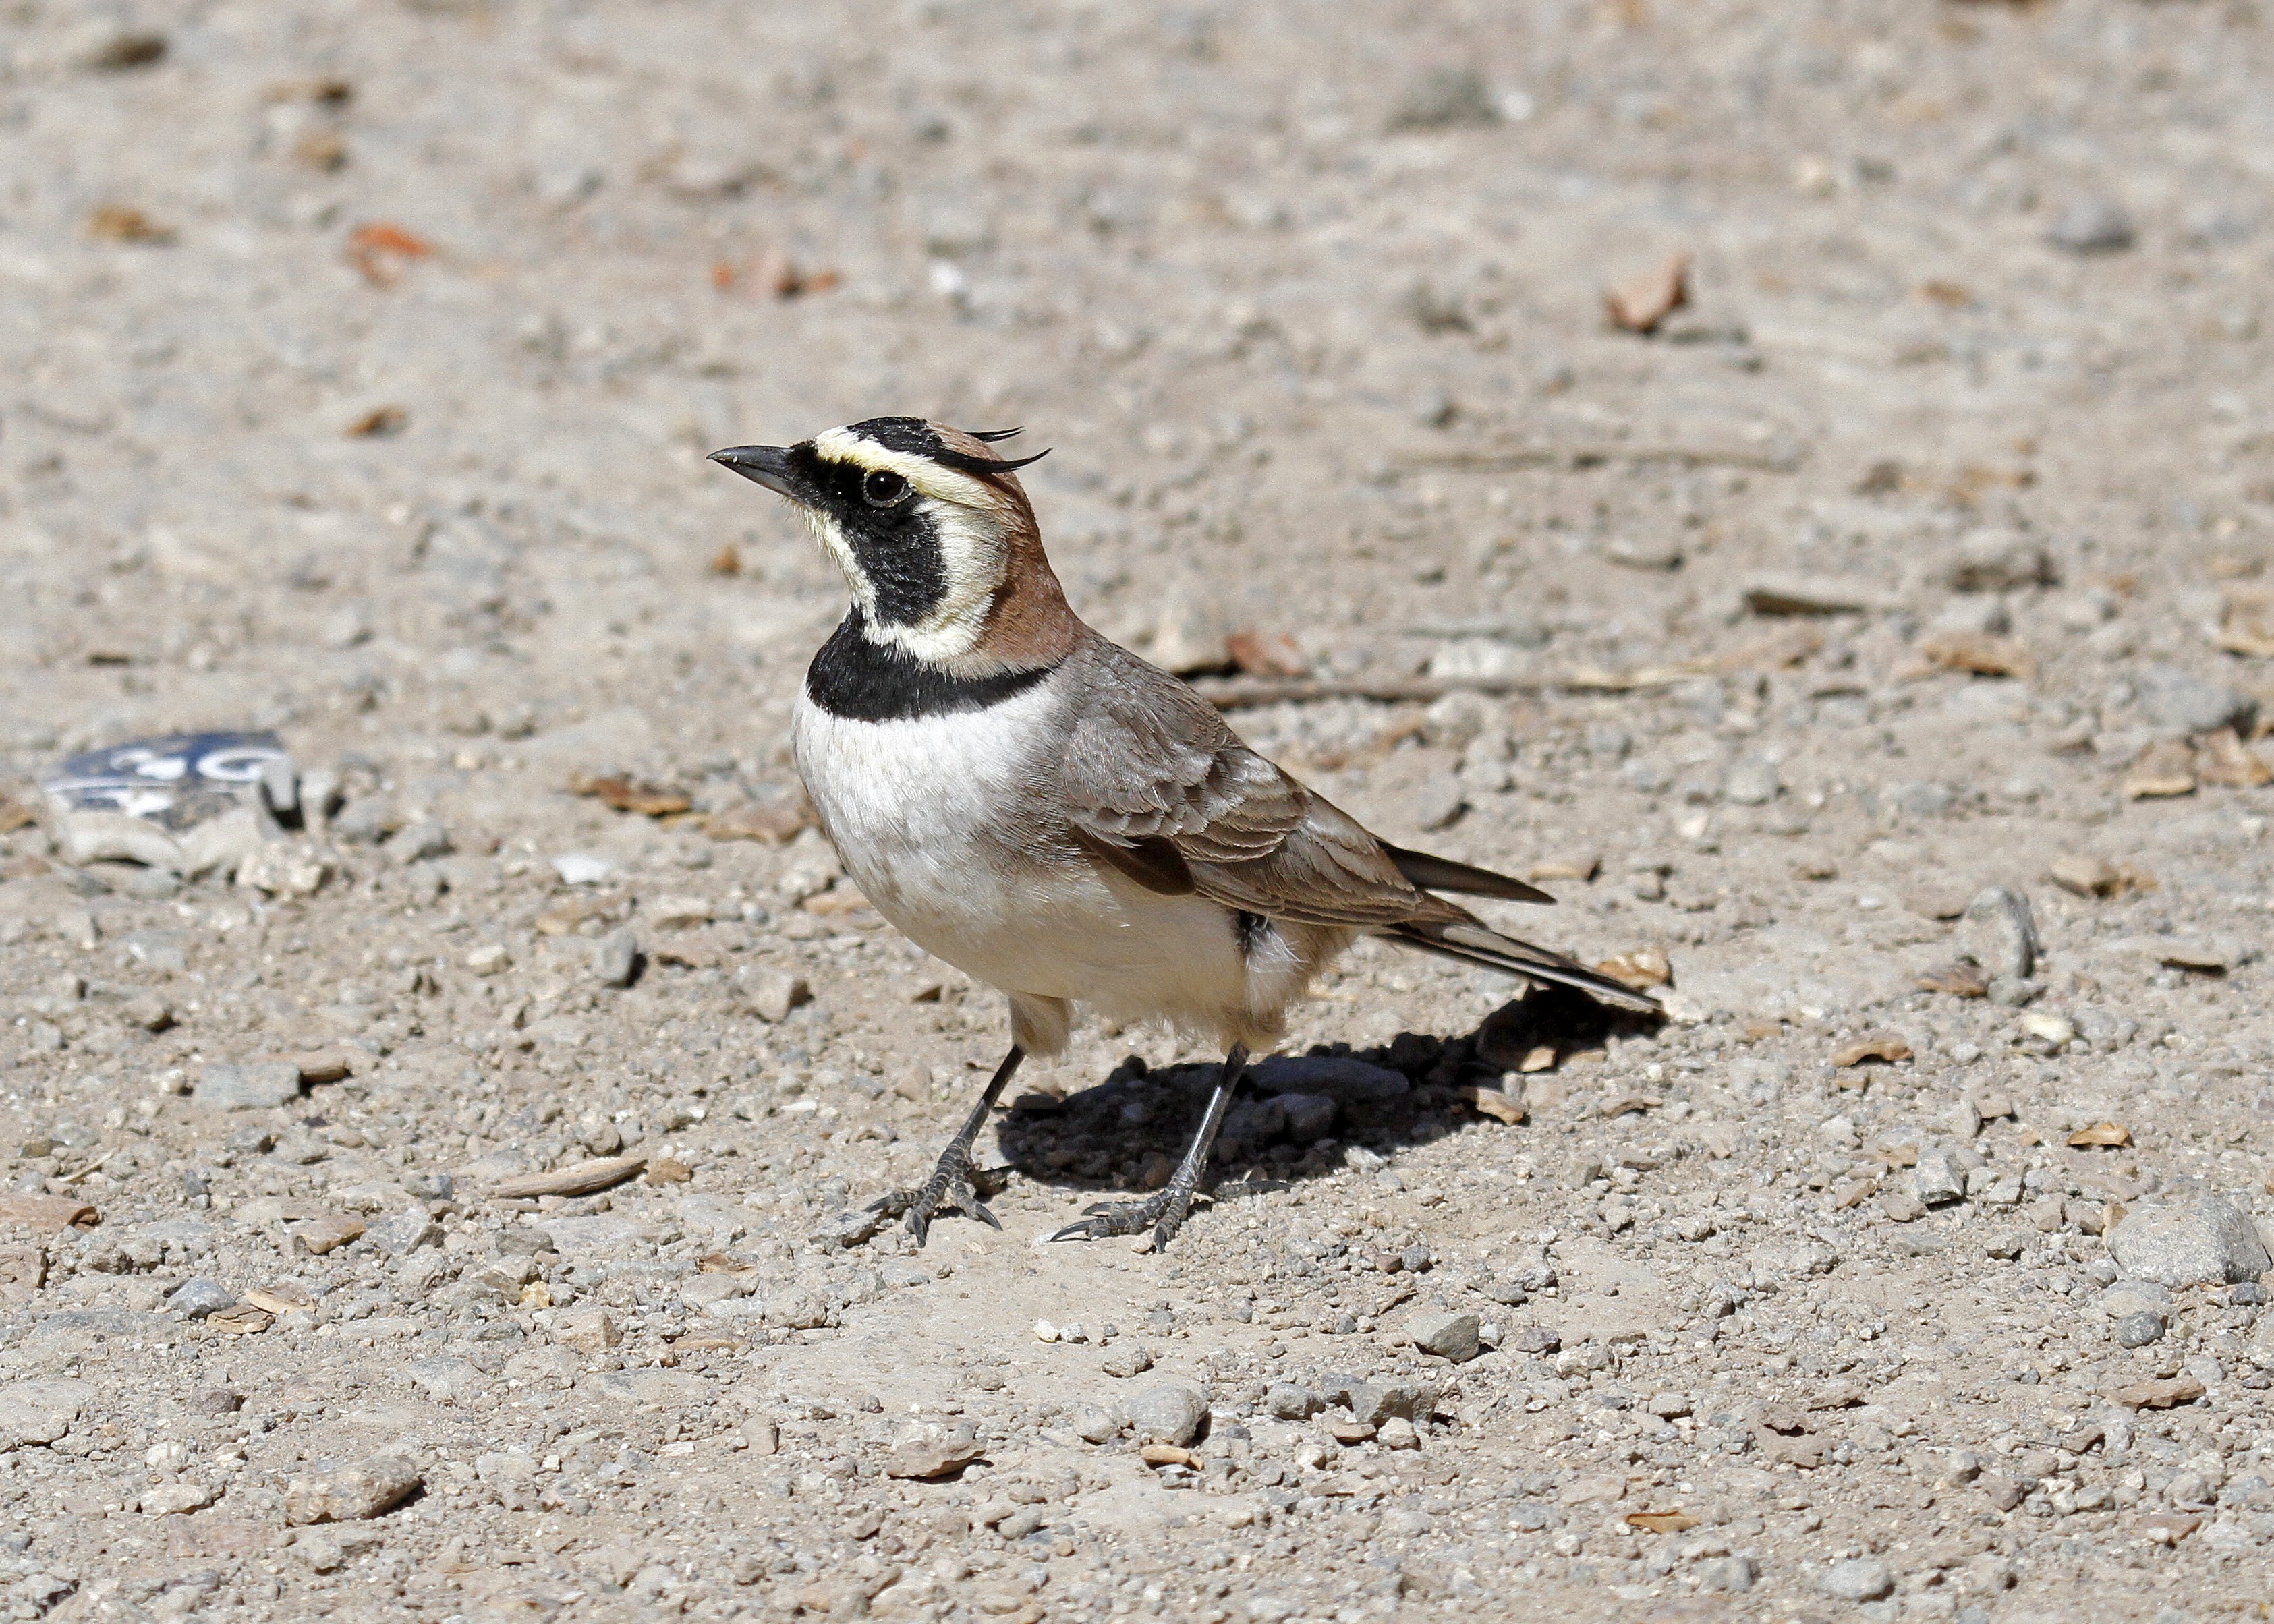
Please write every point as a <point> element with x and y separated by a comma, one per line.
<point>968,522</point>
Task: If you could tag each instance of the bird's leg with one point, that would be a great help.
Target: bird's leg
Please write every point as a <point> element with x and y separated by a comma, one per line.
<point>950,1186</point>
<point>1163,1212</point>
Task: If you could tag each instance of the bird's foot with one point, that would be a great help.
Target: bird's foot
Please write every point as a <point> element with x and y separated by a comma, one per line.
<point>955,1186</point>
<point>1163,1214</point>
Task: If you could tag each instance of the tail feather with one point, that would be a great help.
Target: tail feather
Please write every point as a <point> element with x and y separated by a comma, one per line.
<point>1473,943</point>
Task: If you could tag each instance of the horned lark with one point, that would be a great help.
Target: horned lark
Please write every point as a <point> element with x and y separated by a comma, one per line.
<point>1042,810</point>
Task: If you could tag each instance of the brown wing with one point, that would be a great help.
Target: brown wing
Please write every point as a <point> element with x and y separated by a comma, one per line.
<point>1156,783</point>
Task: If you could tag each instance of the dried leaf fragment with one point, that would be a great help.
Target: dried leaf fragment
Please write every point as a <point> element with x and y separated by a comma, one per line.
<point>1639,303</point>
<point>2110,1133</point>
<point>327,1233</point>
<point>281,1299</point>
<point>379,423</point>
<point>773,275</point>
<point>380,252</point>
<point>582,1178</point>
<point>2246,626</point>
<point>2163,1394</point>
<point>322,149</point>
<point>241,1320</point>
<point>777,819</point>
<point>1883,1046</point>
<point>49,1212</point>
<point>1983,654</point>
<point>624,795</point>
<point>2226,760</point>
<point>2085,876</point>
<point>115,222</point>
<point>1672,1521</point>
<point>1780,649</point>
<point>1642,968</point>
<point>1267,654</point>
<point>727,561</point>
<point>1494,1103</point>
<point>1959,981</point>
<point>2168,1528</point>
<point>2163,770</point>
<point>123,53</point>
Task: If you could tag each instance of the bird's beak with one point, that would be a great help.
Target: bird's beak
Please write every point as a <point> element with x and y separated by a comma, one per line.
<point>767,465</point>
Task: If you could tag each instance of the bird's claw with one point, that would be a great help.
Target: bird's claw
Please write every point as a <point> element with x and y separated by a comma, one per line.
<point>955,1186</point>
<point>1163,1214</point>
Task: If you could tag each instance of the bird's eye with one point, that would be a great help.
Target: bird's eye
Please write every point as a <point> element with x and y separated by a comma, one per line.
<point>883,488</point>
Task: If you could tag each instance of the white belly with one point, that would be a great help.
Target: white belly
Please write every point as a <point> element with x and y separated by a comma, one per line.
<point>930,816</point>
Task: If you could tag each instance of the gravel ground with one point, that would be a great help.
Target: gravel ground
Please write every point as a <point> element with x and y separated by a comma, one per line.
<point>1879,647</point>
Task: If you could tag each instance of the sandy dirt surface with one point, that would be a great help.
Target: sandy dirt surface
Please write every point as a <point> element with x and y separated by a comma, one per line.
<point>1880,647</point>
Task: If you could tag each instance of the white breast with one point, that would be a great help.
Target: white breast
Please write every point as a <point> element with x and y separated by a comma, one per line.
<point>934,819</point>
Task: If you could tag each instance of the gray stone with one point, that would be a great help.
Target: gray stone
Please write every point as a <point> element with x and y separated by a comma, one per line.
<point>1727,1575</point>
<point>39,1412</point>
<point>1093,1424</point>
<point>403,1233</point>
<point>1373,1402</point>
<point>261,1086</point>
<point>1288,1402</point>
<point>2208,1241</point>
<point>1310,1116</point>
<point>199,1295</point>
<point>445,1378</point>
<point>1922,798</point>
<point>2138,1330</point>
<point>1859,1578</point>
<point>1939,1178</point>
<point>1172,1412</point>
<point>1127,1360</point>
<point>332,1492</point>
<point>1450,98</point>
<point>1997,560</point>
<point>770,993</point>
<point>615,959</point>
<point>419,842</point>
<point>1340,1078</point>
<point>1438,802</point>
<point>1448,1334</point>
<point>365,821</point>
<point>1253,1123</point>
<point>1793,594</point>
<point>1752,781</point>
<point>2091,226</point>
<point>2002,932</point>
<point>2180,703</point>
<point>849,1228</point>
<point>920,1459</point>
<point>2135,1296</point>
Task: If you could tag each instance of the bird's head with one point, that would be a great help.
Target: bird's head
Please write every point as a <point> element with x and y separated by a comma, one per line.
<point>931,528</point>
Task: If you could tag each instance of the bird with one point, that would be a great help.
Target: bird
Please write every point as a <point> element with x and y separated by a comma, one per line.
<point>1064,822</point>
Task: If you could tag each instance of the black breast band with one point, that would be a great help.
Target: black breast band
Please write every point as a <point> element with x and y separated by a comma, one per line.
<point>865,681</point>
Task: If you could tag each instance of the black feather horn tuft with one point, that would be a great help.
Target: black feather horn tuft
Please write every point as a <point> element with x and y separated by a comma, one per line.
<point>983,467</point>
<point>991,435</point>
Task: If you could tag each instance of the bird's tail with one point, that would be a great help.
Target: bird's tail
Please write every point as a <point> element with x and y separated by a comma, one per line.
<point>1471,942</point>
